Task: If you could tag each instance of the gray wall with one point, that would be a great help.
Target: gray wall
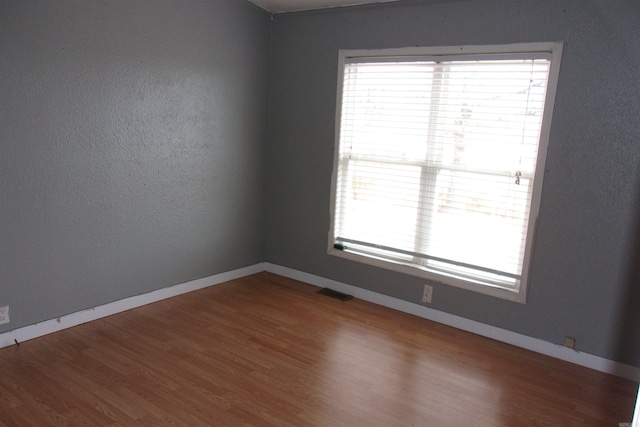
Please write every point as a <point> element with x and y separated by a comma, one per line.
<point>585,274</point>
<point>132,148</point>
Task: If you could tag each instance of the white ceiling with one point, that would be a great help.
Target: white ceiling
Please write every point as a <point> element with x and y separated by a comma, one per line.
<point>279,6</point>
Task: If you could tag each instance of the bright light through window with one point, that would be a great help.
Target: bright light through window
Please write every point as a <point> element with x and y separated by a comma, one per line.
<point>439,160</point>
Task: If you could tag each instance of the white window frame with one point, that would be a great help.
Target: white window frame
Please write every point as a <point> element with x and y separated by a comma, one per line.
<point>554,49</point>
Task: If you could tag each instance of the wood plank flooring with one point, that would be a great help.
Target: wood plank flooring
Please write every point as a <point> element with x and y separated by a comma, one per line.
<point>268,351</point>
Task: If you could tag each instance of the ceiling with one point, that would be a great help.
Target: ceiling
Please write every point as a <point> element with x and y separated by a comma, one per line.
<point>279,6</point>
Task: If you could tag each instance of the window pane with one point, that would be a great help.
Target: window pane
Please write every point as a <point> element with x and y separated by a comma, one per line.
<point>386,109</point>
<point>379,203</point>
<point>479,219</point>
<point>490,114</point>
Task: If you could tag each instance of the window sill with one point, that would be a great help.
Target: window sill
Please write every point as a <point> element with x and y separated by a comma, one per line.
<point>417,271</point>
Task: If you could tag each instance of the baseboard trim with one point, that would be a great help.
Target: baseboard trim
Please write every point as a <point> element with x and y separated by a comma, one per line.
<point>54,325</point>
<point>539,346</point>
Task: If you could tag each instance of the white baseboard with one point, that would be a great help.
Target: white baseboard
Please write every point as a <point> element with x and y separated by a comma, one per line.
<point>54,325</point>
<point>539,346</point>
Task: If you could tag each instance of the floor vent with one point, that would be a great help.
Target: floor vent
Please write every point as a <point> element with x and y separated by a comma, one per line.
<point>335,294</point>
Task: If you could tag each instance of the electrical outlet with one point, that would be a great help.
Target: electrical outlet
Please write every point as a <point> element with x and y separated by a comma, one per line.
<point>570,342</point>
<point>4,315</point>
<point>427,293</point>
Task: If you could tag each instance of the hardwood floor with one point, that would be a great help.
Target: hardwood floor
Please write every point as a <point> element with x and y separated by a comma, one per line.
<point>268,351</point>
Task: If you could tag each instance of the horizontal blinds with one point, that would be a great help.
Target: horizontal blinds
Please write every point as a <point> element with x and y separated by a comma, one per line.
<point>437,160</point>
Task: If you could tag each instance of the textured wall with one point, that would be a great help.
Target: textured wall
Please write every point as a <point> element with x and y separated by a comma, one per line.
<point>132,148</point>
<point>584,274</point>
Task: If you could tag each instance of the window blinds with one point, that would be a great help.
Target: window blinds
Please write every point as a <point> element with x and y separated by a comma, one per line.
<point>437,159</point>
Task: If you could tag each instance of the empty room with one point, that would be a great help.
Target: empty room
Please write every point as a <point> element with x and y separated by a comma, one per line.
<point>319,212</point>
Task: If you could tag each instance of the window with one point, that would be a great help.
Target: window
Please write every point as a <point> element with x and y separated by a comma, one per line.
<point>439,161</point>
